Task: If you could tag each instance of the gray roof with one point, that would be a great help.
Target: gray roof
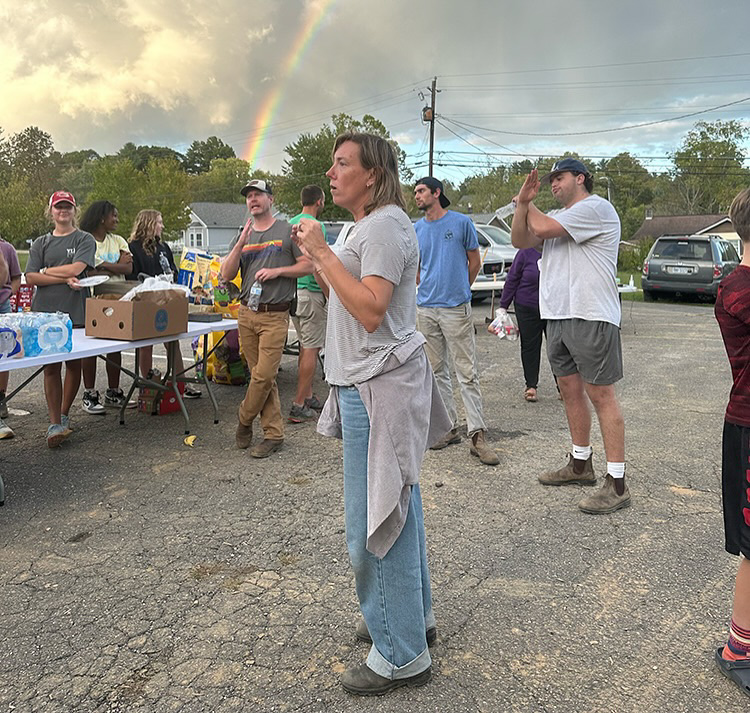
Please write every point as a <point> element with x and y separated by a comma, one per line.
<point>677,225</point>
<point>221,215</point>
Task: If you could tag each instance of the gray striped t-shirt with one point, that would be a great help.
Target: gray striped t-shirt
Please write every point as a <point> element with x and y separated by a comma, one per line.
<point>384,244</point>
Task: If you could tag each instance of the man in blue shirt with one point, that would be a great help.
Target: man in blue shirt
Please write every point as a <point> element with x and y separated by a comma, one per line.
<point>449,262</point>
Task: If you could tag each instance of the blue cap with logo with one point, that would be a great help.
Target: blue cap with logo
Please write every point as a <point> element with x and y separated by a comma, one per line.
<point>573,165</point>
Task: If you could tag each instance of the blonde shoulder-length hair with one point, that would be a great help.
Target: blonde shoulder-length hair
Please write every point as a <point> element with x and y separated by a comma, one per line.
<point>378,155</point>
<point>144,230</point>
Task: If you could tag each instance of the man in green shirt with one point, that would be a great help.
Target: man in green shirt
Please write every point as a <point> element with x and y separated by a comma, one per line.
<point>310,319</point>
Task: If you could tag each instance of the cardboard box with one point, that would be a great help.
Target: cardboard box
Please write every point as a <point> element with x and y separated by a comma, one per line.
<point>151,314</point>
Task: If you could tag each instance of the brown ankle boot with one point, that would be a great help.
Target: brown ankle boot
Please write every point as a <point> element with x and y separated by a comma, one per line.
<point>606,500</point>
<point>244,435</point>
<point>481,450</point>
<point>571,474</point>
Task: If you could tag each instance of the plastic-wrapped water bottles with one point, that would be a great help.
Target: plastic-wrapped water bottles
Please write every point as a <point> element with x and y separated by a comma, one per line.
<point>32,334</point>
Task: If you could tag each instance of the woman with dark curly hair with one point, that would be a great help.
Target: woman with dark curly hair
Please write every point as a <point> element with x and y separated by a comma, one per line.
<point>114,260</point>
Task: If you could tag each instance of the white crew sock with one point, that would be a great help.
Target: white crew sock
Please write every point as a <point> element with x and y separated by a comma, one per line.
<point>582,452</point>
<point>616,470</point>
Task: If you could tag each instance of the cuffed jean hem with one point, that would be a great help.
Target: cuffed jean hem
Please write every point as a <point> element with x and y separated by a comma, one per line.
<point>377,663</point>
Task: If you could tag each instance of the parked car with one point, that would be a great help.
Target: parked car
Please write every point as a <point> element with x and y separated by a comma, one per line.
<point>687,265</point>
<point>336,231</point>
<point>497,253</point>
<point>495,250</point>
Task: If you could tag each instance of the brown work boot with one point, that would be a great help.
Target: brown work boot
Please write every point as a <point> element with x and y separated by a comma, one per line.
<point>448,439</point>
<point>481,450</point>
<point>266,447</point>
<point>605,500</point>
<point>575,473</point>
<point>363,681</point>
<point>244,435</point>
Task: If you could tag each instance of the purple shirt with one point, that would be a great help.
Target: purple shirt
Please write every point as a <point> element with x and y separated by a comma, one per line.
<point>522,283</point>
<point>14,269</point>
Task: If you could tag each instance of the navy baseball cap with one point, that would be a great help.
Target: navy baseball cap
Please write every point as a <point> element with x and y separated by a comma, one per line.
<point>573,165</point>
<point>432,184</point>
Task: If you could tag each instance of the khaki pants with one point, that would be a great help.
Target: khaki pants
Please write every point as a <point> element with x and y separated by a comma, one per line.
<point>449,332</point>
<point>262,338</point>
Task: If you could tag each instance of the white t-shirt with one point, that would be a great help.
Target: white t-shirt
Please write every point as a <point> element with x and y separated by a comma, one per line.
<point>577,276</point>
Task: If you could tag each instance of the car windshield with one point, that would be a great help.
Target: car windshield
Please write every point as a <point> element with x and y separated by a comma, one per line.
<point>497,235</point>
<point>683,250</point>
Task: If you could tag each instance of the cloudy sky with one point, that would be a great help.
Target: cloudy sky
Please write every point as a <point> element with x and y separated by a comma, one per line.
<point>513,76</point>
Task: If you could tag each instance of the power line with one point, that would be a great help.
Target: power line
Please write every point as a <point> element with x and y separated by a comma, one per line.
<point>602,131</point>
<point>598,66</point>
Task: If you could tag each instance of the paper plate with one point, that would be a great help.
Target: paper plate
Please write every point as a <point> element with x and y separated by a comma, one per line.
<point>93,281</point>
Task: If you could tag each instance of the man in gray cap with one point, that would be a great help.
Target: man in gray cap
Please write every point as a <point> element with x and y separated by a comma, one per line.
<point>263,252</point>
<point>578,297</point>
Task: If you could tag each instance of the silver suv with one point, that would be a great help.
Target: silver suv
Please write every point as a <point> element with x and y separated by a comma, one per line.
<point>495,250</point>
<point>497,253</point>
<point>687,264</point>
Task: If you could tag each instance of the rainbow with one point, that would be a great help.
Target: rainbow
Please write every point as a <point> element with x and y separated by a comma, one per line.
<point>272,100</point>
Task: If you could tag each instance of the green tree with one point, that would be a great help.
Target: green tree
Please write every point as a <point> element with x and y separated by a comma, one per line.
<point>708,167</point>
<point>5,163</point>
<point>631,189</point>
<point>309,157</point>
<point>30,153</point>
<point>199,156</point>
<point>139,156</point>
<point>22,214</point>
<point>222,183</point>
<point>117,180</point>
<point>164,187</point>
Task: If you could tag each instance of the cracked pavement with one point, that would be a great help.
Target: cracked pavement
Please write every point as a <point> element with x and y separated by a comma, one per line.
<point>141,575</point>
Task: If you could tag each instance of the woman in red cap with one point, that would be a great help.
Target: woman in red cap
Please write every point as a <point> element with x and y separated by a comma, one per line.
<point>56,261</point>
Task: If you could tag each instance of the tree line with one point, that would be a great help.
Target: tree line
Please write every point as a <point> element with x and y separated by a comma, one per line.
<point>702,176</point>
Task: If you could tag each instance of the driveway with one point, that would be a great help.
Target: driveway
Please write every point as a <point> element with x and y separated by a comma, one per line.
<point>139,574</point>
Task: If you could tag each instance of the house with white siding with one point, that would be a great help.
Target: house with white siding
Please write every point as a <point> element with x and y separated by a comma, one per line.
<point>213,226</point>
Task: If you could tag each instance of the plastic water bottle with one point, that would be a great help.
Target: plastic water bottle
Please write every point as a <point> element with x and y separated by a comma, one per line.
<point>506,210</point>
<point>255,292</point>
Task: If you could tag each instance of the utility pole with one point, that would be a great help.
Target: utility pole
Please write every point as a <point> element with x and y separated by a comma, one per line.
<point>428,114</point>
<point>433,91</point>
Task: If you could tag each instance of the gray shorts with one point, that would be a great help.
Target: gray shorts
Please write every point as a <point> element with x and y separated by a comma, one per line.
<point>310,319</point>
<point>580,346</point>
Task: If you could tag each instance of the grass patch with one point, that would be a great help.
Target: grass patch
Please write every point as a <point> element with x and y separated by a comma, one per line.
<point>624,276</point>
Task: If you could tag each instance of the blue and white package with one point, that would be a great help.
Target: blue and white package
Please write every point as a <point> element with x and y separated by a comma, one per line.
<point>40,333</point>
<point>11,343</point>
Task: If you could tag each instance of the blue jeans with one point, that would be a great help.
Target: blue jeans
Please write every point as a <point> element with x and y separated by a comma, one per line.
<point>5,306</point>
<point>394,592</point>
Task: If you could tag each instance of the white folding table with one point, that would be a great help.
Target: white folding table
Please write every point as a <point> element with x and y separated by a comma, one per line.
<point>84,346</point>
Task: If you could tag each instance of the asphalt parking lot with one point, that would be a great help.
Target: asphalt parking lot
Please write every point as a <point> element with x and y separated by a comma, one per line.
<point>139,574</point>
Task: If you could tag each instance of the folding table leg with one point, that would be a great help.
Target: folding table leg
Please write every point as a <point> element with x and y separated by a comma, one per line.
<point>172,348</point>
<point>205,380</point>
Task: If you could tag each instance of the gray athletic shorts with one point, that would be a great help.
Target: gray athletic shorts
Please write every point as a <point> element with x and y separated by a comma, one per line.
<point>580,346</point>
